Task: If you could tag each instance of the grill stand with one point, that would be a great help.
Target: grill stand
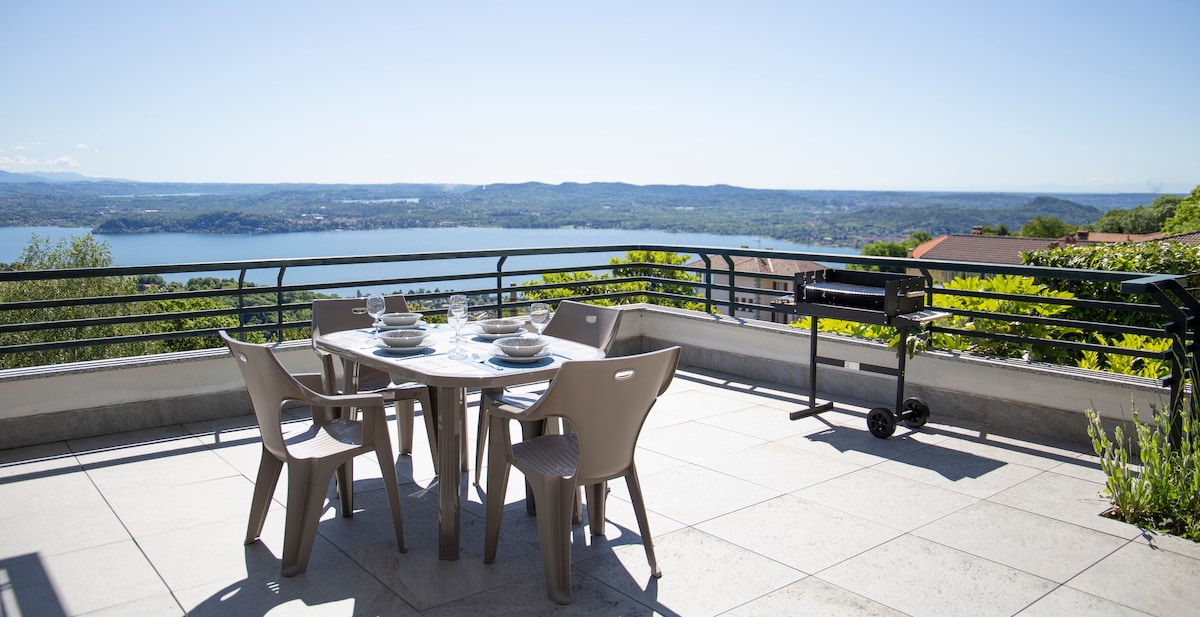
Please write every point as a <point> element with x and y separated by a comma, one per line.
<point>881,421</point>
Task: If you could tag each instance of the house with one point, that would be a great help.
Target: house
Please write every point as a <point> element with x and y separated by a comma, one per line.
<point>746,269</point>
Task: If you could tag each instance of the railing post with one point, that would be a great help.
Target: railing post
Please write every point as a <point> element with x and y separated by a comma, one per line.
<point>731,281</point>
<point>500,285</point>
<point>1184,310</point>
<point>708,284</point>
<point>242,304</point>
<point>279,304</point>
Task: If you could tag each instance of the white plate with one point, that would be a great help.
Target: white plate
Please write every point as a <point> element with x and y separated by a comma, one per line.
<point>414,326</point>
<point>492,337</point>
<point>541,355</point>
<point>404,351</point>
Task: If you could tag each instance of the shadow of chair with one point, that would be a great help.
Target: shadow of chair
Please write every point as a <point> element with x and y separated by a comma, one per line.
<point>313,455</point>
<point>604,403</point>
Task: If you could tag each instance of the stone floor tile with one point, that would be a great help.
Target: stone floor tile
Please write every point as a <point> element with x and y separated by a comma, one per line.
<point>919,577</point>
<point>527,598</point>
<point>692,494</point>
<point>34,462</point>
<point>897,502</point>
<point>152,511</point>
<point>813,596</point>
<point>765,423</point>
<point>702,574</point>
<point>977,475</point>
<point>1068,499</point>
<point>779,466</point>
<point>694,442</point>
<point>853,445</point>
<point>694,404</point>
<point>1067,601</point>
<point>1028,542</point>
<point>1155,581</point>
<point>797,533</point>
<point>94,578</point>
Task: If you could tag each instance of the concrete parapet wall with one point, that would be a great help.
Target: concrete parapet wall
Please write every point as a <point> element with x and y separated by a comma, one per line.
<point>52,403</point>
<point>68,401</point>
<point>989,395</point>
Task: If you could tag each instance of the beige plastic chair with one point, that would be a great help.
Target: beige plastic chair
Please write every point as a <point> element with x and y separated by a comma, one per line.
<point>312,456</point>
<point>575,321</point>
<point>336,315</point>
<point>605,403</point>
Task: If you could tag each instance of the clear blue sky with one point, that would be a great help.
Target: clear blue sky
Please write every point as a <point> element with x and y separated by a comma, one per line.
<point>955,95</point>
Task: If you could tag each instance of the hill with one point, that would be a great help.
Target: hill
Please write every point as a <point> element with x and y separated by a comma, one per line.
<point>844,218</point>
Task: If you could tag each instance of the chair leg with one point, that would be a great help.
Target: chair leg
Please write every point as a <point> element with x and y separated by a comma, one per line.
<point>305,496</point>
<point>481,432</point>
<point>596,499</point>
<point>497,486</point>
<point>264,488</point>
<point>383,453</point>
<point>345,487</point>
<point>404,424</point>
<point>463,458</point>
<point>556,498</point>
<point>639,508</point>
<point>430,414</point>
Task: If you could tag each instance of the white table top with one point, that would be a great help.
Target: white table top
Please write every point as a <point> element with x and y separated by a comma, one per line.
<point>479,369</point>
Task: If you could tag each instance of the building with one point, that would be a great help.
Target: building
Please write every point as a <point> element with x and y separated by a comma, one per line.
<point>747,270</point>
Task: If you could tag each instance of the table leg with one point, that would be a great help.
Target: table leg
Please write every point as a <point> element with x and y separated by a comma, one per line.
<point>449,437</point>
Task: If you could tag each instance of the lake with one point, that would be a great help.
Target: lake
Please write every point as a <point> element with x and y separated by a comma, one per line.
<point>148,249</point>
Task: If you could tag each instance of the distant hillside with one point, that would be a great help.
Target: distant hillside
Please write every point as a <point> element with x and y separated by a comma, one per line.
<point>842,218</point>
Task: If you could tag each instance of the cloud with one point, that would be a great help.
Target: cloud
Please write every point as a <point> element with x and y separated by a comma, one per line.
<point>19,148</point>
<point>81,146</point>
<point>63,161</point>
<point>20,160</point>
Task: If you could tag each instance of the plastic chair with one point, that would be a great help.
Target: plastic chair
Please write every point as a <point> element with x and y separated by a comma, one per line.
<point>336,315</point>
<point>605,402</point>
<point>312,456</point>
<point>575,321</point>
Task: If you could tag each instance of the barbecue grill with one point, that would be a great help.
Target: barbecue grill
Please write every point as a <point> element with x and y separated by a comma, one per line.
<point>867,297</point>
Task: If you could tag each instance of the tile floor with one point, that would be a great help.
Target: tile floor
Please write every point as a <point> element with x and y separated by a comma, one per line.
<point>752,514</point>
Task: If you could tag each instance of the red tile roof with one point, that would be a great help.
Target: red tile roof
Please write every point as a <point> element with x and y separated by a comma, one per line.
<point>983,249</point>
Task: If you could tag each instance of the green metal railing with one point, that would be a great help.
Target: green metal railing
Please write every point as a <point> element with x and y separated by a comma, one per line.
<point>31,324</point>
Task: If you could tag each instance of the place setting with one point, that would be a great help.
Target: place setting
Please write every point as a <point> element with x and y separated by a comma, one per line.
<point>524,351</point>
<point>403,342</point>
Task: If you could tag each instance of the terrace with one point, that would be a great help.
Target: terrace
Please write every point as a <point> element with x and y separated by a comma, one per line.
<point>992,508</point>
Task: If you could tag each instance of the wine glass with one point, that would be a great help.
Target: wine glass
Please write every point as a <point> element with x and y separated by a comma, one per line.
<point>456,316</point>
<point>376,306</point>
<point>539,315</point>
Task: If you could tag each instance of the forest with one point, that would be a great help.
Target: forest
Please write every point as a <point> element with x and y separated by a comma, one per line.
<point>841,218</point>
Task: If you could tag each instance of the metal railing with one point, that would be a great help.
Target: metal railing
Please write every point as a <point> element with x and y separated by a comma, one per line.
<point>1152,305</point>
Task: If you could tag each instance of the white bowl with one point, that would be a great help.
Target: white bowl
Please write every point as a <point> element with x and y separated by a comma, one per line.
<point>403,338</point>
<point>521,346</point>
<point>400,319</point>
<point>500,326</point>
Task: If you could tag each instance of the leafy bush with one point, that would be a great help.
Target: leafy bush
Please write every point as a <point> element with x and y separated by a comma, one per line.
<point>1022,285</point>
<point>1162,490</point>
<point>1149,257</point>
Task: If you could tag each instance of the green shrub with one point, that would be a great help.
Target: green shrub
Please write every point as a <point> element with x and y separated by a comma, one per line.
<point>1161,491</point>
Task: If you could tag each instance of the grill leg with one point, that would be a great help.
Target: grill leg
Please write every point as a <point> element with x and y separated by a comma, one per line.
<point>813,407</point>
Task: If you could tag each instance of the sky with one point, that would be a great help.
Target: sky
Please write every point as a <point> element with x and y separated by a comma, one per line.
<point>1082,96</point>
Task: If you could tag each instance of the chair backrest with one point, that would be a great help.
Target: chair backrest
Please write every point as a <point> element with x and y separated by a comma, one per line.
<point>585,323</point>
<point>606,402</point>
<point>337,314</point>
<point>270,386</point>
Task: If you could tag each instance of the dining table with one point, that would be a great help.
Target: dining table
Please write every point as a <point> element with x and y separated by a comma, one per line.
<point>449,368</point>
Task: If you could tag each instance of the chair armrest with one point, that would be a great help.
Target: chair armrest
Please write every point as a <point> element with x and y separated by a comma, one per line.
<point>312,381</point>
<point>314,396</point>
